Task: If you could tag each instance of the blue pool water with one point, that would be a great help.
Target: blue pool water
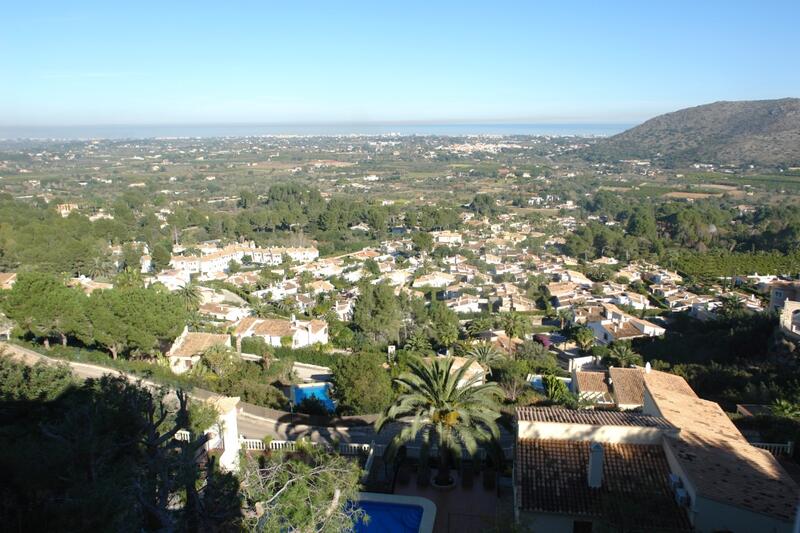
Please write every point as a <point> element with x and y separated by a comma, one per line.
<point>319,391</point>
<point>390,518</point>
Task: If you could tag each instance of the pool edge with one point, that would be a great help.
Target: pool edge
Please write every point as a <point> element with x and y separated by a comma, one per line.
<point>428,507</point>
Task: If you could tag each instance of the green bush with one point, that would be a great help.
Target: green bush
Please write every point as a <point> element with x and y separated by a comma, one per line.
<point>311,356</point>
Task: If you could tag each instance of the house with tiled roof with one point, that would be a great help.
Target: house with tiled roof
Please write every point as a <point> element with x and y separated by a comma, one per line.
<point>632,299</point>
<point>297,333</point>
<point>187,349</point>
<point>568,486</point>
<point>88,285</point>
<point>585,470</point>
<point>172,279</point>
<point>516,302</point>
<point>566,294</point>
<point>464,304</point>
<point>278,291</point>
<point>628,387</point>
<point>436,280</point>
<point>243,279</point>
<point>613,324</point>
<point>446,237</point>
<point>223,311</point>
<point>678,465</point>
<point>573,276</point>
<point>729,485</point>
<point>593,387</point>
<point>500,340</point>
<point>622,388</point>
<point>661,275</point>
<point>215,260</point>
<point>321,286</point>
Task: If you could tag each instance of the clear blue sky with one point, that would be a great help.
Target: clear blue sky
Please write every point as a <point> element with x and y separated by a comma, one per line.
<point>67,63</point>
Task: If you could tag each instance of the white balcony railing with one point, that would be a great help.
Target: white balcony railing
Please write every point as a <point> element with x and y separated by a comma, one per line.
<point>776,448</point>
<point>344,448</point>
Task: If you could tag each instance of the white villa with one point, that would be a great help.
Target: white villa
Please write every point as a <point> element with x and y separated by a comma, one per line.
<point>299,333</point>
<point>217,260</point>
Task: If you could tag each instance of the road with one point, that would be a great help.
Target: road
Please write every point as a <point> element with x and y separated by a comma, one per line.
<point>251,425</point>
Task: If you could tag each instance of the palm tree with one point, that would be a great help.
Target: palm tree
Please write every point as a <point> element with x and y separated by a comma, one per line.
<point>446,334</point>
<point>486,354</point>
<point>584,338</point>
<point>262,309</point>
<point>622,354</point>
<point>478,325</point>
<point>564,316</point>
<point>99,267</point>
<point>417,342</point>
<point>445,406</point>
<point>515,325</point>
<point>189,294</point>
<point>219,359</point>
<point>731,307</point>
<point>194,320</point>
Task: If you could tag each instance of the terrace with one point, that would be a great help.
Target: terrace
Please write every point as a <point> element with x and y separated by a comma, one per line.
<point>479,499</point>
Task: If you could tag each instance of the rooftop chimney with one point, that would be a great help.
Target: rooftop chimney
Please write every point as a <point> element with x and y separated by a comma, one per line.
<point>595,469</point>
<point>647,367</point>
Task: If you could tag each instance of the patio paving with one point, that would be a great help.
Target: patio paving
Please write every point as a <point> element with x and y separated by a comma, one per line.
<point>462,510</point>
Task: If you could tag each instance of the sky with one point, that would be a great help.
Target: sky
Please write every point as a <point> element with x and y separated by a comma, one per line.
<point>169,62</point>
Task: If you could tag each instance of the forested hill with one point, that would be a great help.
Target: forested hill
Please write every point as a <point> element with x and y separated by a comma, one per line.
<point>760,132</point>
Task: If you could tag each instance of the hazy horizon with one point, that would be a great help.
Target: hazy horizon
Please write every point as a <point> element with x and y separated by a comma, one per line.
<point>210,130</point>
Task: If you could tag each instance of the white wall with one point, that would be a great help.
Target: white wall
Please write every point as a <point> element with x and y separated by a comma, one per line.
<point>585,432</point>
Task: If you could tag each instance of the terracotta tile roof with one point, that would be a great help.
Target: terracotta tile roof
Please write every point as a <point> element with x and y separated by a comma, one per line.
<point>590,417</point>
<point>628,385</point>
<point>590,313</point>
<point>626,330</point>
<point>663,382</point>
<point>214,308</point>
<point>557,289</point>
<point>592,382</point>
<point>244,278</point>
<point>269,327</point>
<point>275,327</point>
<point>195,343</point>
<point>716,458</point>
<point>317,325</point>
<point>7,278</point>
<point>551,477</point>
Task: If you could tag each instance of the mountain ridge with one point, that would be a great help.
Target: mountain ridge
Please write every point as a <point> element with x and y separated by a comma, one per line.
<point>764,133</point>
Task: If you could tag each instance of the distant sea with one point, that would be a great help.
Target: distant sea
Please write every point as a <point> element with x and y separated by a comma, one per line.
<point>248,130</point>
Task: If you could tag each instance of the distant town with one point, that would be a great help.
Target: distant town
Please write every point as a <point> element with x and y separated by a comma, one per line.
<point>490,332</point>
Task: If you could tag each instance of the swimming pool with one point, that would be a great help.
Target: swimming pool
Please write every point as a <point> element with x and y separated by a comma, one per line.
<point>390,518</point>
<point>390,513</point>
<point>319,391</point>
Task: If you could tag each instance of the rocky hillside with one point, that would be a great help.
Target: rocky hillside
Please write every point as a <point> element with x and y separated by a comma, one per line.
<point>764,133</point>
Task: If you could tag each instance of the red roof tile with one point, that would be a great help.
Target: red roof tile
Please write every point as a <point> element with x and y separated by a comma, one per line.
<point>551,477</point>
<point>590,417</point>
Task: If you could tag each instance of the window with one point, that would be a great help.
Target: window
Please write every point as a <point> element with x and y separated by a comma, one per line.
<point>581,526</point>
